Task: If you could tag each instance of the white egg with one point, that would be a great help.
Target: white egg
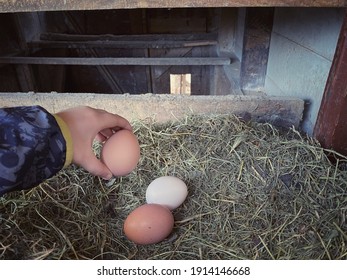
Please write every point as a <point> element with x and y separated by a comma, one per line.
<point>168,191</point>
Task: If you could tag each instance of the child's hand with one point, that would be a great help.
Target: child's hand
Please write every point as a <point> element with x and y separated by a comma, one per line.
<point>87,124</point>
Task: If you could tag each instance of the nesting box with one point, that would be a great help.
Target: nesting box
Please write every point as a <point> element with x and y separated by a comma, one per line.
<point>180,71</point>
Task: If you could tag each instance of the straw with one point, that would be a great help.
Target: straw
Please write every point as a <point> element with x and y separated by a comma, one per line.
<point>255,192</point>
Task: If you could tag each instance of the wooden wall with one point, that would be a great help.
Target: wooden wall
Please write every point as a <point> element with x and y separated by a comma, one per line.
<point>39,39</point>
<point>303,43</point>
<point>331,126</point>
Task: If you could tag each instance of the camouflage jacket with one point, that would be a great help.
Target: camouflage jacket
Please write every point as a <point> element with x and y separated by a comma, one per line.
<point>32,147</point>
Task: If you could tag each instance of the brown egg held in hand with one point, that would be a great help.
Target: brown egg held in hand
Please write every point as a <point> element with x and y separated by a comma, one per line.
<point>121,152</point>
<point>148,224</point>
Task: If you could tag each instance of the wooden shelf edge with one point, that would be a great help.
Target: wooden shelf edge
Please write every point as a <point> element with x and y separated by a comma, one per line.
<point>280,111</point>
<point>62,5</point>
<point>146,61</point>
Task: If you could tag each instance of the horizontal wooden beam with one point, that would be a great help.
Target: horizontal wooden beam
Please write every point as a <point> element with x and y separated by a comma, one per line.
<point>281,111</point>
<point>47,36</point>
<point>59,40</point>
<point>117,60</point>
<point>121,44</point>
<point>61,5</point>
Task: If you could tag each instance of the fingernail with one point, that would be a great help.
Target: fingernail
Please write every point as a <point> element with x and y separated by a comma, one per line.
<point>108,177</point>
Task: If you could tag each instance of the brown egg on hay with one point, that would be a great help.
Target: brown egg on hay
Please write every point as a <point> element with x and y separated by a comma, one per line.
<point>148,224</point>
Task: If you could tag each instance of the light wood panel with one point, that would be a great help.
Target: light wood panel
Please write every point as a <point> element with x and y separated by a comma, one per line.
<point>280,111</point>
<point>58,5</point>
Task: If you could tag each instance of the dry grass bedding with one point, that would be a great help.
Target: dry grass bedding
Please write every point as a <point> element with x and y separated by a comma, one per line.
<point>254,193</point>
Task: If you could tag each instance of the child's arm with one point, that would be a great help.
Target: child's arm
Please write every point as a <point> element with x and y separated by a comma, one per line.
<point>32,147</point>
<point>35,145</point>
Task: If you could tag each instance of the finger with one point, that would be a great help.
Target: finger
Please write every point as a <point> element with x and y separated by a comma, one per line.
<point>100,138</point>
<point>115,122</point>
<point>97,168</point>
<point>107,133</point>
<point>103,135</point>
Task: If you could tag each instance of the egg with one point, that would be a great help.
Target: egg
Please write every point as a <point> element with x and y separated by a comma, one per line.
<point>121,152</point>
<point>168,191</point>
<point>148,224</point>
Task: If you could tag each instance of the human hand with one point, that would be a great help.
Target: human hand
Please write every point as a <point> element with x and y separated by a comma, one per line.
<point>85,125</point>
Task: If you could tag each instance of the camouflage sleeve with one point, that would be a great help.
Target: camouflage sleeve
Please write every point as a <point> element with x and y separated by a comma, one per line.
<point>32,147</point>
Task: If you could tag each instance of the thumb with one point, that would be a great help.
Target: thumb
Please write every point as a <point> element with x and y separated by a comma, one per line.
<point>97,168</point>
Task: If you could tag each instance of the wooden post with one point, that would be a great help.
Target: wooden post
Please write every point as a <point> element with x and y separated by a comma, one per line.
<point>256,44</point>
<point>25,75</point>
<point>331,125</point>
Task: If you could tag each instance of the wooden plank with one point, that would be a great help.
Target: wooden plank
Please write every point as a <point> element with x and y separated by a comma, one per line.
<point>121,44</point>
<point>256,45</point>
<point>195,21</point>
<point>117,61</point>
<point>137,37</point>
<point>60,5</point>
<point>25,78</point>
<point>331,125</point>
<point>54,40</point>
<point>281,111</point>
<point>111,80</point>
<point>180,83</point>
<point>25,75</point>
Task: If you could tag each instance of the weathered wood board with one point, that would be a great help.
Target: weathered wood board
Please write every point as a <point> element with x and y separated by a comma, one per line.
<point>331,125</point>
<point>117,60</point>
<point>280,111</point>
<point>58,5</point>
<point>256,45</point>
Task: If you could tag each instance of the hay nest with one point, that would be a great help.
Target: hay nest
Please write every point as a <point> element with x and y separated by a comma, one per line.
<point>254,193</point>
